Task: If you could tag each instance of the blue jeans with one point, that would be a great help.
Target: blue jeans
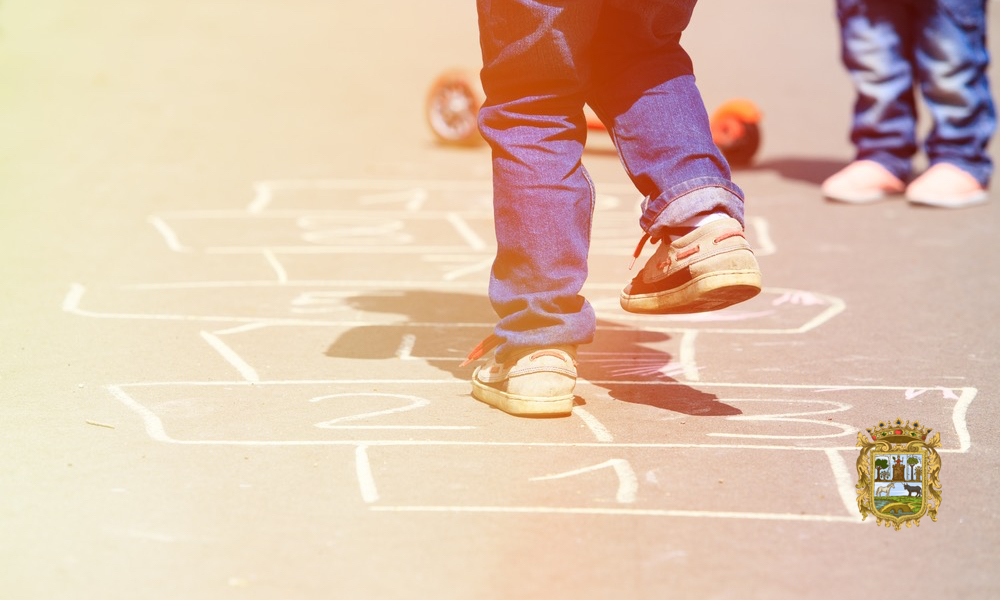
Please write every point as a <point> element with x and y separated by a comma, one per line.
<point>542,61</point>
<point>892,46</point>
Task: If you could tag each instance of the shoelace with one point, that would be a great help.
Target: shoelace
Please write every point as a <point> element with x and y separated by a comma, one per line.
<point>490,342</point>
<point>638,249</point>
<point>672,232</point>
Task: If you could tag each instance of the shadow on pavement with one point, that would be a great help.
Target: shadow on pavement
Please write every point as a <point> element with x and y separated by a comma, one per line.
<point>441,327</point>
<point>810,170</point>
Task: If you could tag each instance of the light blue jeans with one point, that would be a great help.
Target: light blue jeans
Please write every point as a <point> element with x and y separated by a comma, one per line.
<point>542,61</point>
<point>939,46</point>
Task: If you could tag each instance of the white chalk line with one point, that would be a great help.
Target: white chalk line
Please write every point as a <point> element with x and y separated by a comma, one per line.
<point>835,306</point>
<point>231,357</point>
<point>261,197</point>
<point>303,322</point>
<point>628,483</point>
<point>151,422</point>
<point>471,444</point>
<point>637,512</point>
<point>155,428</point>
<point>395,248</point>
<point>366,481</point>
<point>411,199</point>
<point>596,427</point>
<point>169,235</point>
<point>454,185</point>
<point>467,185</point>
<point>462,227</point>
<point>412,403</point>
<point>687,356</point>
<point>845,483</point>
<point>359,285</point>
<point>481,265</point>
<point>275,264</point>
<point>762,235</point>
<point>364,284</point>
<point>405,349</point>
<point>242,328</point>
<point>361,250</point>
<point>405,427</point>
<point>71,304</point>
<point>223,214</point>
<point>792,417</point>
<point>580,380</point>
<point>959,418</point>
<point>450,258</point>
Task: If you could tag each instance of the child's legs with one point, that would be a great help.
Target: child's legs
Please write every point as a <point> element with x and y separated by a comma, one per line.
<point>952,60</point>
<point>877,48</point>
<point>534,74</point>
<point>644,89</point>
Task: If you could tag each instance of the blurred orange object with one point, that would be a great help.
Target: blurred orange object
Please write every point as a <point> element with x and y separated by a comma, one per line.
<point>452,107</point>
<point>736,130</point>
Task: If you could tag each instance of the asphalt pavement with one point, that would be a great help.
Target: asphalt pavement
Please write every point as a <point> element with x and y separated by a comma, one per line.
<point>240,276</point>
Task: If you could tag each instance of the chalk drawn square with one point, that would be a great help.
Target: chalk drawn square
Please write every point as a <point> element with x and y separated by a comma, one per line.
<point>237,232</point>
<point>784,416</point>
<point>334,412</point>
<point>615,480</point>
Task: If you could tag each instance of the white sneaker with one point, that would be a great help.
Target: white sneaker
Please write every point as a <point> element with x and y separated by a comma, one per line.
<point>945,185</point>
<point>862,182</point>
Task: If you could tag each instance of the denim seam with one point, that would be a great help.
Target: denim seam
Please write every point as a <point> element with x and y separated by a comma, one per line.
<point>672,195</point>
<point>593,203</point>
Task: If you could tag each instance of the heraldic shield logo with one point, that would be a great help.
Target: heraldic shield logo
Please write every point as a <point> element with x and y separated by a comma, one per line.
<point>898,473</point>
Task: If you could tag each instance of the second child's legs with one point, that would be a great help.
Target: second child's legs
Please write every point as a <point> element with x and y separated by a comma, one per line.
<point>952,61</point>
<point>889,46</point>
<point>877,44</point>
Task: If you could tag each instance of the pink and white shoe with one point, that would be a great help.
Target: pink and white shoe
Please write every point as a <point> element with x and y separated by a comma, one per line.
<point>862,182</point>
<point>945,185</point>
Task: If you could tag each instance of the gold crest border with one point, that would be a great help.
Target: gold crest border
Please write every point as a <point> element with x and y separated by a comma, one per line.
<point>932,481</point>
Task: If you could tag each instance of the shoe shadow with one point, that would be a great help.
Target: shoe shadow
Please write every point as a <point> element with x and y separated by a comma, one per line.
<point>439,328</point>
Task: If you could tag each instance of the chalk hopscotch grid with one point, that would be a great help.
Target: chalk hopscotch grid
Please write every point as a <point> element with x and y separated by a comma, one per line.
<point>413,195</point>
<point>368,487</point>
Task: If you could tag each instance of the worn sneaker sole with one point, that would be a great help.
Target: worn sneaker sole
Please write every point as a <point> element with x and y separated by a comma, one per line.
<point>522,405</point>
<point>708,292</point>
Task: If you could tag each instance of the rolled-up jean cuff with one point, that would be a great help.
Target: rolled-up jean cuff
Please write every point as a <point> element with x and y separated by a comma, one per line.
<point>684,200</point>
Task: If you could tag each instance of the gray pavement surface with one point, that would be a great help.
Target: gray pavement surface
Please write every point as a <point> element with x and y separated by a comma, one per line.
<point>239,277</point>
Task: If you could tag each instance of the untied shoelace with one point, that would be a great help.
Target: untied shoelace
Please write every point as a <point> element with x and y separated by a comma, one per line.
<point>490,342</point>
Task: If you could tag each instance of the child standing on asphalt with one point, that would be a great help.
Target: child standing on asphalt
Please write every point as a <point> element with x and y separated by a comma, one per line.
<point>889,47</point>
<point>542,61</point>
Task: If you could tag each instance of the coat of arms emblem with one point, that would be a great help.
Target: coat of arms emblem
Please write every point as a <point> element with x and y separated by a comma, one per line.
<point>898,473</point>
